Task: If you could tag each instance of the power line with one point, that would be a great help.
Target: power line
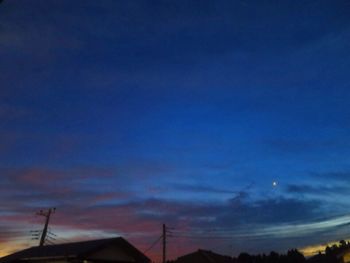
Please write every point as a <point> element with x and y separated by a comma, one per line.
<point>59,238</point>
<point>54,236</point>
<point>215,233</point>
<point>202,237</point>
<point>63,239</point>
<point>153,244</point>
<point>51,233</point>
<point>47,241</point>
<point>11,234</point>
<point>50,238</point>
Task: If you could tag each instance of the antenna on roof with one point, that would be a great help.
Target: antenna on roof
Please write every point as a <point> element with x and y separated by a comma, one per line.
<point>46,214</point>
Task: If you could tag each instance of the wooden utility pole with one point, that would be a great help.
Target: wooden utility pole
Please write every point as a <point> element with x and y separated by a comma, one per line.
<point>47,215</point>
<point>164,243</point>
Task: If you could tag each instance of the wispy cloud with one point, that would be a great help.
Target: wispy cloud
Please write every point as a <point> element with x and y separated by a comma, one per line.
<point>340,176</point>
<point>202,189</point>
<point>320,190</point>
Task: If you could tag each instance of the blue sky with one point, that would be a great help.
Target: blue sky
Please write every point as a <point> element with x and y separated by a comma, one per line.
<point>176,112</point>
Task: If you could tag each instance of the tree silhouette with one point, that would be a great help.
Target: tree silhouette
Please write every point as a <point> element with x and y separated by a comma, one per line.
<point>292,256</point>
<point>333,254</point>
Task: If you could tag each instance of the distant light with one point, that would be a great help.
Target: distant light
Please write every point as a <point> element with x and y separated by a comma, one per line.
<point>274,183</point>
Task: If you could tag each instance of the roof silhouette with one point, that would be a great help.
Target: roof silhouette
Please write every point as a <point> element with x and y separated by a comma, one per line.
<point>73,250</point>
<point>204,256</point>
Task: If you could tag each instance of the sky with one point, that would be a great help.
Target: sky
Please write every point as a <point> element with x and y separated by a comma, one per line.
<point>125,115</point>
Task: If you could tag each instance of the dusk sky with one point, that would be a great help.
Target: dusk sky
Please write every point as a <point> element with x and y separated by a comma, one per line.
<point>125,115</point>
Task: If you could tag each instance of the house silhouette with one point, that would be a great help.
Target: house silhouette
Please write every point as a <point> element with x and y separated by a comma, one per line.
<point>116,250</point>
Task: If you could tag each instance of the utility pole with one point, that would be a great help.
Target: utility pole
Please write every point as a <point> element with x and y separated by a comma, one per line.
<point>47,215</point>
<point>164,243</point>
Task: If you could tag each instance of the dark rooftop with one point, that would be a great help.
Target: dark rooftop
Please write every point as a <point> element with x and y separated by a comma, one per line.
<point>204,256</point>
<point>72,250</point>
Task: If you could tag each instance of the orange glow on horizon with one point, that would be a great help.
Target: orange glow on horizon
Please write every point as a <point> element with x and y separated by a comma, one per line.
<point>315,249</point>
<point>8,248</point>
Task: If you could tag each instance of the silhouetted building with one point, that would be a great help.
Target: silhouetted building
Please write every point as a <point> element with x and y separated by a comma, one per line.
<point>116,250</point>
<point>204,256</point>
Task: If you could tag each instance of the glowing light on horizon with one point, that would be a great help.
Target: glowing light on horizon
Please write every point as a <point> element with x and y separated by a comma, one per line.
<point>312,250</point>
